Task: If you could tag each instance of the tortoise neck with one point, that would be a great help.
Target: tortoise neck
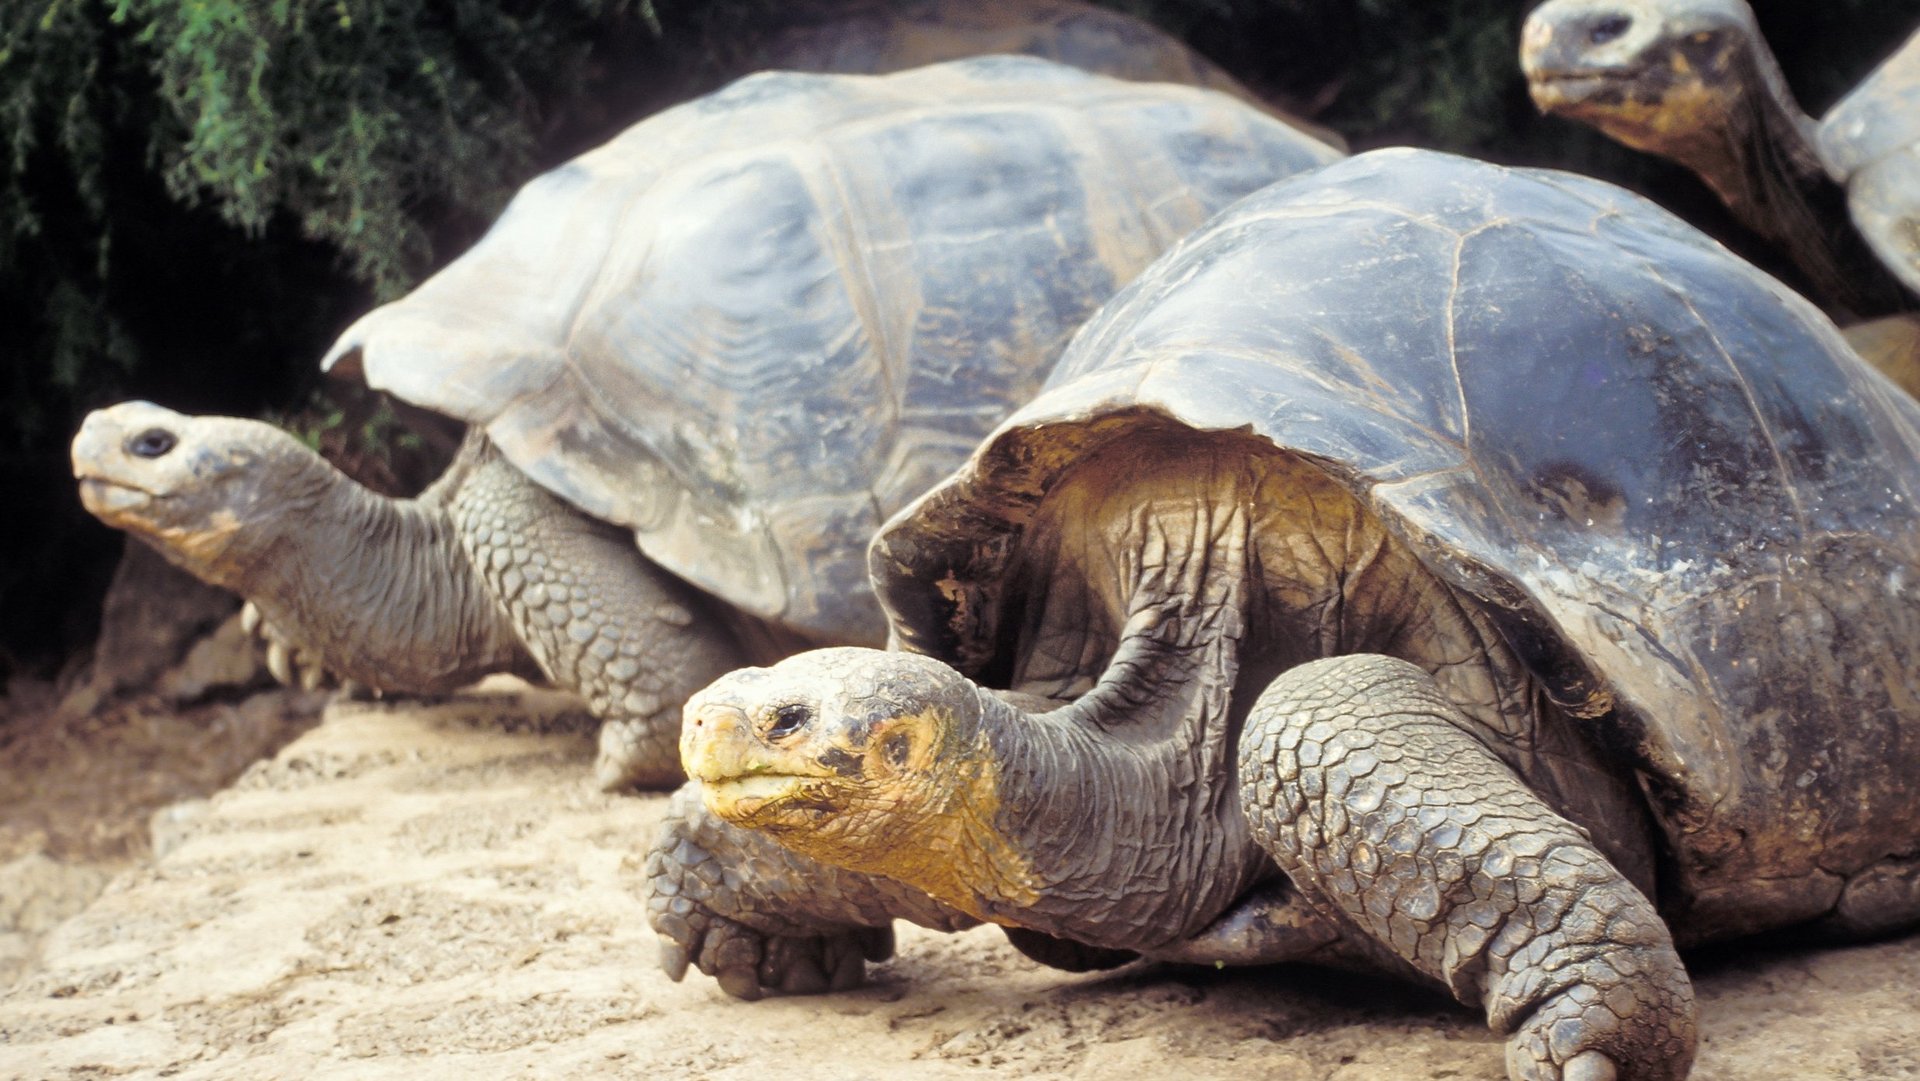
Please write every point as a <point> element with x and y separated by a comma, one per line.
<point>1765,165</point>
<point>1104,838</point>
<point>1119,809</point>
<point>379,587</point>
<point>1218,565</point>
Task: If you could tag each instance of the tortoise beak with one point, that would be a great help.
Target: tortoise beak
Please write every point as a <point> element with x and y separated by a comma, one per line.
<point>739,774</point>
<point>1574,50</point>
<point>716,740</point>
<point>114,456</point>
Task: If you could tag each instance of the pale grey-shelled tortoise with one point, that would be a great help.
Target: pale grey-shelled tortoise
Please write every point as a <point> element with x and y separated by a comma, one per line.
<point>701,364</point>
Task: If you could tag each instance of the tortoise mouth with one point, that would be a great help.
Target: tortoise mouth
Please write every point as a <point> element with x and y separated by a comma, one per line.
<point>1559,89</point>
<point>759,799</point>
<point>104,496</point>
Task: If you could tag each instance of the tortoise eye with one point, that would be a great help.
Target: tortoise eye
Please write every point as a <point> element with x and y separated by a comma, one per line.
<point>1609,29</point>
<point>152,443</point>
<point>789,719</point>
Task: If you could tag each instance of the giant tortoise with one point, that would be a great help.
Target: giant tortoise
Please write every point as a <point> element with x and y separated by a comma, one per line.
<point>1466,572</point>
<point>1694,81</point>
<point>741,334</point>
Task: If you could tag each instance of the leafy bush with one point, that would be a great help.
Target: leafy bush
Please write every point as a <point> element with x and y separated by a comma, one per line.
<point>196,194</point>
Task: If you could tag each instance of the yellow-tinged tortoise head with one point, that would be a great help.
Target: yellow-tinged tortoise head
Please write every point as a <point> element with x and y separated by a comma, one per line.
<point>860,758</point>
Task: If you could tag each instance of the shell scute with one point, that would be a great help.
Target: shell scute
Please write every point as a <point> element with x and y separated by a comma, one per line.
<point>753,325</point>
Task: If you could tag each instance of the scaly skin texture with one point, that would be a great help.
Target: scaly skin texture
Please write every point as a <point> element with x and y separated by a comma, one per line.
<point>599,619</point>
<point>759,918</point>
<point>1361,780</point>
<point>1160,812</point>
<point>484,572</point>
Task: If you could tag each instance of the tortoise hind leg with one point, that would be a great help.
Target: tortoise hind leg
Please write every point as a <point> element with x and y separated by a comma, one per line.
<point>1360,779</point>
<point>1880,900</point>
<point>599,618</point>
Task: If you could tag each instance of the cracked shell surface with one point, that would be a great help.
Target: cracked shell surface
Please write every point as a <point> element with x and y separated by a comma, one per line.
<point>755,324</point>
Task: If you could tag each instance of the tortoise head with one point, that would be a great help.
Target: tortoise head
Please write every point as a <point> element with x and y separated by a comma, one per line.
<point>847,755</point>
<point>1664,76</point>
<point>190,486</point>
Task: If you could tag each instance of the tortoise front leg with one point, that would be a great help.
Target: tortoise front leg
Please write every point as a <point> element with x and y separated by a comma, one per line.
<point>599,618</point>
<point>1361,780</point>
<point>762,919</point>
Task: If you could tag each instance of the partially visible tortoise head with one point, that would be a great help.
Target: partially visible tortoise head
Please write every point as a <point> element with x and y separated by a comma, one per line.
<point>844,757</point>
<point>754,325</point>
<point>203,490</point>
<point>1671,77</point>
<point>1694,81</point>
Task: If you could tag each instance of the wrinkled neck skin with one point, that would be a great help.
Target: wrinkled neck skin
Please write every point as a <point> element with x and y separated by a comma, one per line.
<point>1125,843</point>
<point>1761,158</point>
<point>1143,572</point>
<point>1764,164</point>
<point>1203,571</point>
<point>378,587</point>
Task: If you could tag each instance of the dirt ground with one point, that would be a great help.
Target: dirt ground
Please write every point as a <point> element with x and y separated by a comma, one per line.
<point>425,892</point>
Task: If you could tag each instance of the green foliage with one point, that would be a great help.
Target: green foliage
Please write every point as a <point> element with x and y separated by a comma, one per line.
<point>194,195</point>
<point>348,114</point>
<point>366,124</point>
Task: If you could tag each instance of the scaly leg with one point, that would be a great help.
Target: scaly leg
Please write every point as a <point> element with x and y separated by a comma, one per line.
<point>1362,781</point>
<point>599,618</point>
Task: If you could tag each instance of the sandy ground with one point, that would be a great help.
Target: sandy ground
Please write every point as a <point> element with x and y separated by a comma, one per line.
<point>423,892</point>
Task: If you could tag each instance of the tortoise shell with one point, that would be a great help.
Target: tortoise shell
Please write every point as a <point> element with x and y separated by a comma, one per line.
<point>1688,506</point>
<point>1871,143</point>
<point>892,35</point>
<point>754,325</point>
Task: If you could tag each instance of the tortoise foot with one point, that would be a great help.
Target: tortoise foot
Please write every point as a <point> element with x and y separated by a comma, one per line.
<point>762,920</point>
<point>1581,1034</point>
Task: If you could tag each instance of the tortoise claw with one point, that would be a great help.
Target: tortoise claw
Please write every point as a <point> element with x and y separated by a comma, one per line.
<point>849,973</point>
<point>280,663</point>
<point>750,960</point>
<point>1589,1066</point>
<point>674,960</point>
<point>291,664</point>
<point>740,983</point>
<point>312,674</point>
<point>799,971</point>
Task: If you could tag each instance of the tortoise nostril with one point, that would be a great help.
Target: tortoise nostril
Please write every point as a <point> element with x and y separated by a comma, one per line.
<point>152,443</point>
<point>1609,28</point>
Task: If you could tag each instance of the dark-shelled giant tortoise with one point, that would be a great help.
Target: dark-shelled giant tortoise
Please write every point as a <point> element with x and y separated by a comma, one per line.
<point>1468,572</point>
<point>741,334</point>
